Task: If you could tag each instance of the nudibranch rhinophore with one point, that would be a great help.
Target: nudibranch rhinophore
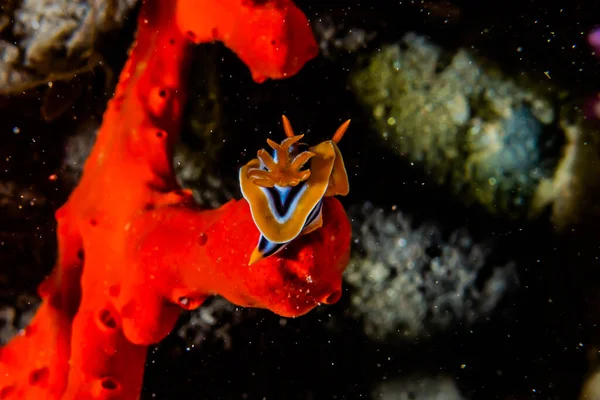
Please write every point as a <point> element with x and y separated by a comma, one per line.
<point>286,201</point>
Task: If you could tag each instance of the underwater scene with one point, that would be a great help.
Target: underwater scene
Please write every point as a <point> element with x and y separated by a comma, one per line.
<point>299,200</point>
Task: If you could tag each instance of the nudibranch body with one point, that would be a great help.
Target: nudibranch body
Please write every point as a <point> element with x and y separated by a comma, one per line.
<point>284,200</point>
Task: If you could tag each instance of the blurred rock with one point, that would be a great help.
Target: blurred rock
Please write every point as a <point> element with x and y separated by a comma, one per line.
<point>77,149</point>
<point>210,190</point>
<point>419,388</point>
<point>494,141</point>
<point>591,387</point>
<point>336,37</point>
<point>203,136</point>
<point>412,282</point>
<point>15,318</point>
<point>211,323</point>
<point>46,40</point>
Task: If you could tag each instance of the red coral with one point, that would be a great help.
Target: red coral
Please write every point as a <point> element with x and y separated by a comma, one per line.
<point>134,249</point>
<point>273,38</point>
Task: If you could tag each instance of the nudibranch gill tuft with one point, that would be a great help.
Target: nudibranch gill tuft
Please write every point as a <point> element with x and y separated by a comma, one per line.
<point>286,200</point>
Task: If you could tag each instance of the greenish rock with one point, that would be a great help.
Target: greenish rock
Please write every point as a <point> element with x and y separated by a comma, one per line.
<point>492,140</point>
